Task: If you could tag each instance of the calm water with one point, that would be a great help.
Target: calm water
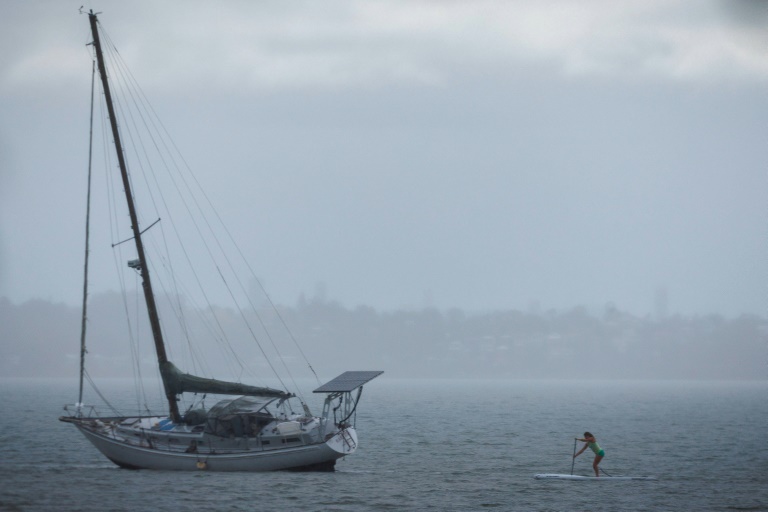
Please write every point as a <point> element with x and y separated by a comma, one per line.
<point>435,445</point>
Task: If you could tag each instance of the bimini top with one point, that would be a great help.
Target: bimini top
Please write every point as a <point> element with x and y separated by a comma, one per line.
<point>347,381</point>
<point>242,405</point>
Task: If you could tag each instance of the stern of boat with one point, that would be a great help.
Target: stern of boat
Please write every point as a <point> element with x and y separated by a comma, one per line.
<point>344,441</point>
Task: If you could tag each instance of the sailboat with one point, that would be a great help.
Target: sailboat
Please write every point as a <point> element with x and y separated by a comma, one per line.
<point>255,428</point>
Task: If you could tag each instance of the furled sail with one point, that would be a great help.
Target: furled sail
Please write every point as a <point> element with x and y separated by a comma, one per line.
<point>177,382</point>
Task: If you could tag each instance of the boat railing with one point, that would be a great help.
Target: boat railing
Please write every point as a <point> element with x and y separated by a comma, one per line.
<point>102,412</point>
<point>82,411</point>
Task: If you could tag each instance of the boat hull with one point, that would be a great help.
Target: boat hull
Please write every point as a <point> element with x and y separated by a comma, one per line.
<point>317,457</point>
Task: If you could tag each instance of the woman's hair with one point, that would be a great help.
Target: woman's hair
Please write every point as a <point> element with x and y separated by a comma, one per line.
<point>587,434</point>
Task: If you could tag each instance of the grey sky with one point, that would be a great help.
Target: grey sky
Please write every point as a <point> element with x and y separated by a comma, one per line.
<point>476,154</point>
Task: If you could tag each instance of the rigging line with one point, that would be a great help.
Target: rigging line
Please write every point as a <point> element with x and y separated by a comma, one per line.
<point>111,208</point>
<point>247,323</point>
<point>126,98</point>
<point>129,89</point>
<point>133,340</point>
<point>221,222</point>
<point>115,226</point>
<point>239,281</point>
<point>196,357</point>
<point>117,255</point>
<point>210,228</point>
<point>206,323</point>
<point>125,72</point>
<point>133,336</point>
<point>261,286</point>
<point>218,339</point>
<point>223,253</point>
<point>137,355</point>
<point>242,289</point>
<point>125,113</point>
<point>253,275</point>
<point>84,322</point>
<point>223,337</point>
<point>282,321</point>
<point>119,105</point>
<point>98,392</point>
<point>152,117</point>
<point>274,346</point>
<point>125,91</point>
<point>254,335</point>
<point>130,84</point>
<point>141,233</point>
<point>174,301</point>
<point>264,291</point>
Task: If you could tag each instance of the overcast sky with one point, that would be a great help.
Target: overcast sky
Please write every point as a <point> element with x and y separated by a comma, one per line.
<point>472,154</point>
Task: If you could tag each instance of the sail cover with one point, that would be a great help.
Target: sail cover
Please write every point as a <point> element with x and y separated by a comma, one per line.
<point>177,382</point>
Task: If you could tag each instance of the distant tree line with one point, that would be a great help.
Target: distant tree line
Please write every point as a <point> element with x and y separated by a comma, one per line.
<point>41,339</point>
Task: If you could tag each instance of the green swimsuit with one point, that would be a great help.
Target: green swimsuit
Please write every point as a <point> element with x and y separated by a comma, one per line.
<point>596,448</point>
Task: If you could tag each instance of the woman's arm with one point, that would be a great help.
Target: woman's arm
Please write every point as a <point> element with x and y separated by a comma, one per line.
<point>580,451</point>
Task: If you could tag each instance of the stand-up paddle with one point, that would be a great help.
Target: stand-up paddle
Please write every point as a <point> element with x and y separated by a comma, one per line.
<point>573,460</point>
<point>599,453</point>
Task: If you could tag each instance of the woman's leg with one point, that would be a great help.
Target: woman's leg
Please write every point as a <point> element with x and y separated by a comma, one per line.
<point>598,458</point>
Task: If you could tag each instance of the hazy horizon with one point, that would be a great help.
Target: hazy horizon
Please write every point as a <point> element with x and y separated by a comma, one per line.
<point>658,310</point>
<point>331,339</point>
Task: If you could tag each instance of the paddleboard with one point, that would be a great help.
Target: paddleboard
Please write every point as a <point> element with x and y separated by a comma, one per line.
<point>555,476</point>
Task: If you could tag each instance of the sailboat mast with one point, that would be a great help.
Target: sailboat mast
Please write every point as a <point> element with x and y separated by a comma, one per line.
<point>154,319</point>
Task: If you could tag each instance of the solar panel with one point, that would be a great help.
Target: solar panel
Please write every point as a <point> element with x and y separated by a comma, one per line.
<point>347,381</point>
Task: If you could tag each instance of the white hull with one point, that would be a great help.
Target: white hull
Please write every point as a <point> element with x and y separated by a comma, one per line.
<point>239,434</point>
<point>320,456</point>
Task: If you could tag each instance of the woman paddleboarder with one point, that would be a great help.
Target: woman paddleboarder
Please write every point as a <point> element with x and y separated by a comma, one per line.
<point>591,443</point>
